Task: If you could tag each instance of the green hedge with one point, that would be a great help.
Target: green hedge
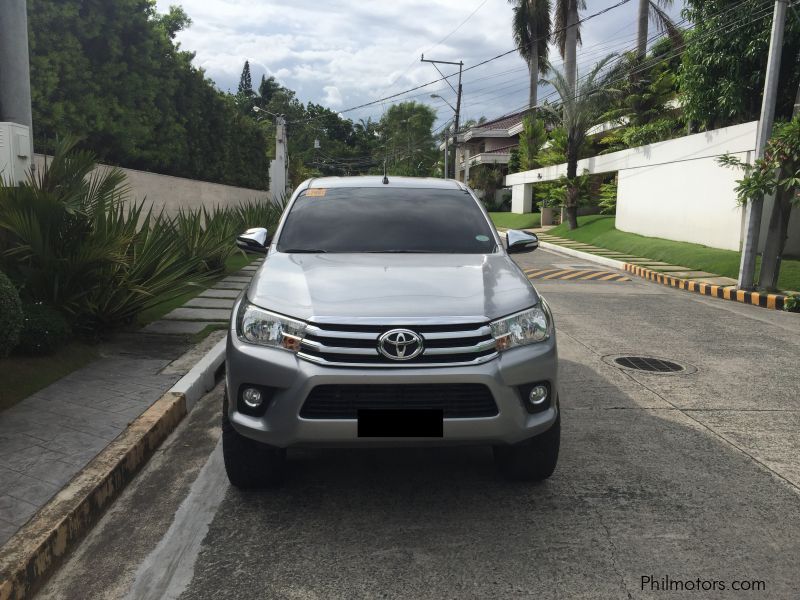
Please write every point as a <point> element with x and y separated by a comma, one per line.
<point>44,330</point>
<point>10,316</point>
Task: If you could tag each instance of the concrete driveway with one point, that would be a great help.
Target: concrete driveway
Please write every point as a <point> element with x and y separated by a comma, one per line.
<point>686,481</point>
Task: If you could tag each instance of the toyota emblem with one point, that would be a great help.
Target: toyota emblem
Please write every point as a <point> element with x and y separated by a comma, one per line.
<point>400,344</point>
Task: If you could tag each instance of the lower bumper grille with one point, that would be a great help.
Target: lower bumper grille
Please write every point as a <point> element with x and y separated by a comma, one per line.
<point>459,400</point>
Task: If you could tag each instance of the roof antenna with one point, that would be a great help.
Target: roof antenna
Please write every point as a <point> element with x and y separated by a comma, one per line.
<point>385,178</point>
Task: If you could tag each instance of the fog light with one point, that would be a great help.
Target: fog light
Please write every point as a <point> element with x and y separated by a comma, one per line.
<point>252,397</point>
<point>538,395</point>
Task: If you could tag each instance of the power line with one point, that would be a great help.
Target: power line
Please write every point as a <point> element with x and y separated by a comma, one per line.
<point>480,64</point>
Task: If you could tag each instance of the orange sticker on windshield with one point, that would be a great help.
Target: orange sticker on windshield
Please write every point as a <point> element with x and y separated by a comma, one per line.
<point>316,192</point>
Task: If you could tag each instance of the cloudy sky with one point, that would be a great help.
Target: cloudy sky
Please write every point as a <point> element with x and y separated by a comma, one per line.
<point>343,53</point>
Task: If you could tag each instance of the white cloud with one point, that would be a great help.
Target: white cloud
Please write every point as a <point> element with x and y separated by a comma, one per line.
<point>333,96</point>
<point>343,53</point>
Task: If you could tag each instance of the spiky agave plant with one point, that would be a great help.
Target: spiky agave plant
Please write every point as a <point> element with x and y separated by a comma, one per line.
<point>71,238</point>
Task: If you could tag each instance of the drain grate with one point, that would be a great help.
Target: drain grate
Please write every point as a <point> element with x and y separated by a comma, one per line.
<point>648,363</point>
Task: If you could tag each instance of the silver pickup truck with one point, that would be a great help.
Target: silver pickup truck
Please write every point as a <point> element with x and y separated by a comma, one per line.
<point>388,312</point>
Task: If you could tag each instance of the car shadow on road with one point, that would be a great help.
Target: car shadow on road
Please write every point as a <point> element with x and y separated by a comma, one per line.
<point>639,490</point>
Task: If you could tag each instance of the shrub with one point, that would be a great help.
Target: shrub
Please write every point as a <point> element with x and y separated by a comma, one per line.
<point>44,330</point>
<point>72,237</point>
<point>10,316</point>
<point>607,198</point>
<point>207,236</point>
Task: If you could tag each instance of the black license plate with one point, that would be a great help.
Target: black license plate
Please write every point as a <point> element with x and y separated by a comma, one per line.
<point>411,422</point>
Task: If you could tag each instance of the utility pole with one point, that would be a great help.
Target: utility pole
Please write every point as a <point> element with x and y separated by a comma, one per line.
<point>755,207</point>
<point>446,139</point>
<point>15,78</point>
<point>778,227</point>
<point>458,104</point>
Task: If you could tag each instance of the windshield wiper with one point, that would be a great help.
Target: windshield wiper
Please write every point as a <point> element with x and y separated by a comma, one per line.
<point>303,251</point>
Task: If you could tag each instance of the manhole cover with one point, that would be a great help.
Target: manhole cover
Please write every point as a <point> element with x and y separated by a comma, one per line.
<point>649,364</point>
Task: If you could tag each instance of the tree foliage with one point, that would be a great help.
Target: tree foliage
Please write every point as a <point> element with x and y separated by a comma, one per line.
<point>405,141</point>
<point>531,27</point>
<point>777,172</point>
<point>724,65</point>
<point>531,141</point>
<point>108,71</point>
<point>579,110</point>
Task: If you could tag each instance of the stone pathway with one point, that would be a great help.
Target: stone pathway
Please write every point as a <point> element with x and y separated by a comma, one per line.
<point>47,438</point>
<point>211,307</point>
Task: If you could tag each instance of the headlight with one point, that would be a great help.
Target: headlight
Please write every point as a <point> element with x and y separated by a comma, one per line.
<point>527,327</point>
<point>258,326</point>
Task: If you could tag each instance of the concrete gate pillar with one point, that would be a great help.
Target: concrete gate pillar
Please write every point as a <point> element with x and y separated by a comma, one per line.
<point>522,198</point>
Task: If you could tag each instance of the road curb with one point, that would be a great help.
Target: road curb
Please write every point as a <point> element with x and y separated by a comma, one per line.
<point>31,555</point>
<point>764,300</point>
<point>732,293</point>
<point>602,260</point>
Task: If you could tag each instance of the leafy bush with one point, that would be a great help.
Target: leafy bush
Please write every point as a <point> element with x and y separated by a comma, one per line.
<point>207,236</point>
<point>44,330</point>
<point>259,213</point>
<point>72,239</point>
<point>641,135</point>
<point>10,316</point>
<point>607,198</point>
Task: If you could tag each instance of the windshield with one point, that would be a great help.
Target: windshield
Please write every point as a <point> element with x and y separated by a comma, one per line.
<point>387,220</point>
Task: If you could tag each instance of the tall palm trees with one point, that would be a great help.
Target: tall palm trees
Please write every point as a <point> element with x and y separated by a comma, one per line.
<point>531,28</point>
<point>653,10</point>
<point>579,110</point>
<point>567,36</point>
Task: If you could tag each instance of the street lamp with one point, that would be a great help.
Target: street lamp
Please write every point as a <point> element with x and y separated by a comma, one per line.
<point>443,99</point>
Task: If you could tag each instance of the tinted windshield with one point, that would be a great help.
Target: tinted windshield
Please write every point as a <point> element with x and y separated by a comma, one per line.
<point>386,219</point>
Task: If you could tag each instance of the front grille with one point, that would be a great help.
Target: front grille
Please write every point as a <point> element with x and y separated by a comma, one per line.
<point>444,345</point>
<point>456,400</point>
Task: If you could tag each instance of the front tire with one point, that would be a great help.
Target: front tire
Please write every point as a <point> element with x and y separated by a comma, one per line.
<point>531,460</point>
<point>248,463</point>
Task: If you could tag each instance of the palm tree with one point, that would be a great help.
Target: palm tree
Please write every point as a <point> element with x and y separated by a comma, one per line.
<point>531,27</point>
<point>580,108</point>
<point>567,35</point>
<point>653,10</point>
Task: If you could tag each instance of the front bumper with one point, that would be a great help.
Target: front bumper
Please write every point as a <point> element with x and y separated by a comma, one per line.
<point>294,378</point>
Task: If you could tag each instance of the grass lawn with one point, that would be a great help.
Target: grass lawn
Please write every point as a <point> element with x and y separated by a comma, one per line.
<point>515,221</point>
<point>599,230</point>
<point>24,375</point>
<point>154,313</point>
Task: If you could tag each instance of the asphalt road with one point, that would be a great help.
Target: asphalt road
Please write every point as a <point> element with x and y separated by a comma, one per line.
<point>693,477</point>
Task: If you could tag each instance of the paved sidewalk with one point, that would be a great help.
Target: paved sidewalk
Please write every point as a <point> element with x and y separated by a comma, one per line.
<point>46,439</point>
<point>211,307</point>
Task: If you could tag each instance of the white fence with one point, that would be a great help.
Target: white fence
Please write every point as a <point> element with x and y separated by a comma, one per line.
<point>674,190</point>
<point>173,193</point>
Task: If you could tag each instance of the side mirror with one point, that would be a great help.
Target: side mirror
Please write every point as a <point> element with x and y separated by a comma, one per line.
<point>521,241</point>
<point>254,240</point>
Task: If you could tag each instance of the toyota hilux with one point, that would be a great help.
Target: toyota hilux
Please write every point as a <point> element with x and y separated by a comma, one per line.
<point>388,312</point>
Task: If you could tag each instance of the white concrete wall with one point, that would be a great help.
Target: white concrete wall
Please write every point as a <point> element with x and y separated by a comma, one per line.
<point>173,193</point>
<point>690,201</point>
<point>674,190</point>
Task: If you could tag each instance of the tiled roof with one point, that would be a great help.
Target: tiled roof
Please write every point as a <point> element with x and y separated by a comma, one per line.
<point>501,123</point>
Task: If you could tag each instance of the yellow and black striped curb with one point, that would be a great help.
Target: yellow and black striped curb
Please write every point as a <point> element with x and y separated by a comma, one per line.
<point>29,557</point>
<point>764,300</point>
<point>575,275</point>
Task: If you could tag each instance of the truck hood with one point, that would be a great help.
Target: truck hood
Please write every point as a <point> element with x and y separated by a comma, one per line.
<point>331,288</point>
